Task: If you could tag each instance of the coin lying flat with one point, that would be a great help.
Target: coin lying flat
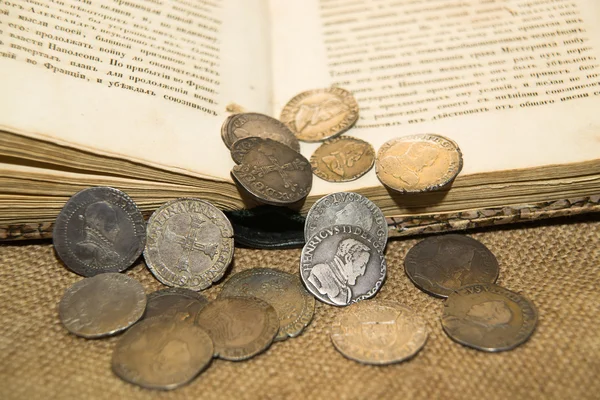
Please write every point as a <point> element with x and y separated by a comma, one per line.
<point>346,208</point>
<point>440,265</point>
<point>244,125</point>
<point>342,159</point>
<point>488,317</point>
<point>162,353</point>
<point>271,171</point>
<point>374,332</point>
<point>183,304</point>
<point>418,163</point>
<point>294,305</point>
<point>320,114</point>
<point>102,305</point>
<point>342,264</point>
<point>99,230</point>
<point>189,244</point>
<point>240,327</point>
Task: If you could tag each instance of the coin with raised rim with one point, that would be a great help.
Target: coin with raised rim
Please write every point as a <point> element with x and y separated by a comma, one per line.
<point>189,244</point>
<point>183,304</point>
<point>342,159</point>
<point>244,125</point>
<point>99,229</point>
<point>294,305</point>
<point>102,305</point>
<point>488,317</point>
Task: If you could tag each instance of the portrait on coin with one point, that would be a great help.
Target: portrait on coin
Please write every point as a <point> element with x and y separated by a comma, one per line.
<point>481,319</point>
<point>353,214</point>
<point>338,161</point>
<point>313,114</point>
<point>449,268</point>
<point>408,164</point>
<point>100,229</point>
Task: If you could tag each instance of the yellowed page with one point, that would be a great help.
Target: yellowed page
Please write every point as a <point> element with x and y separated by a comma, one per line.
<point>515,83</point>
<point>148,81</point>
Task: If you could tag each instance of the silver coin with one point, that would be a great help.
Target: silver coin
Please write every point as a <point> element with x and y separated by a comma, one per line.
<point>179,303</point>
<point>346,208</point>
<point>342,264</point>
<point>99,230</point>
<point>243,125</point>
<point>102,305</point>
<point>189,244</point>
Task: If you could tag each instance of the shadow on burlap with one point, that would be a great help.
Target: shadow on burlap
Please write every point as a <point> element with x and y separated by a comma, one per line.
<point>557,266</point>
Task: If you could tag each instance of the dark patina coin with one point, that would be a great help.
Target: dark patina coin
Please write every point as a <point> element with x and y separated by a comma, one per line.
<point>245,125</point>
<point>179,303</point>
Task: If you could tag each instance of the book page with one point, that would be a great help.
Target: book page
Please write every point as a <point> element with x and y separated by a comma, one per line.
<point>145,80</point>
<point>515,83</point>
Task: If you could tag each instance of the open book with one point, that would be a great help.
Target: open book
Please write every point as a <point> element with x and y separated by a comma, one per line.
<point>132,94</point>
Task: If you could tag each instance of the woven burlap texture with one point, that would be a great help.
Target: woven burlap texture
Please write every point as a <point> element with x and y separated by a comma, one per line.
<point>557,266</point>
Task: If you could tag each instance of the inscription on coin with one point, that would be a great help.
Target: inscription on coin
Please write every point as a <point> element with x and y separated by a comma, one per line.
<point>178,303</point>
<point>320,114</point>
<point>373,332</point>
<point>294,305</point>
<point>418,163</point>
<point>342,264</point>
<point>488,317</point>
<point>99,230</point>
<point>440,265</point>
<point>189,244</point>
<point>245,125</point>
<point>342,159</point>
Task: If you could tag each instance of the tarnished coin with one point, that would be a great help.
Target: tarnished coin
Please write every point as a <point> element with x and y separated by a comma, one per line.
<point>179,303</point>
<point>342,159</point>
<point>162,353</point>
<point>271,171</point>
<point>488,317</point>
<point>418,163</point>
<point>346,208</point>
<point>102,305</point>
<point>240,327</point>
<point>320,114</point>
<point>189,244</point>
<point>99,230</point>
<point>245,125</point>
<point>342,264</point>
<point>294,305</point>
<point>440,265</point>
<point>224,130</point>
<point>374,332</point>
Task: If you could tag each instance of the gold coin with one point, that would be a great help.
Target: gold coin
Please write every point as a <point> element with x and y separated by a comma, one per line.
<point>320,114</point>
<point>418,163</point>
<point>342,159</point>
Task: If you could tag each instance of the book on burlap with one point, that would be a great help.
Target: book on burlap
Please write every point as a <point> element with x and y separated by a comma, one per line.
<point>132,94</point>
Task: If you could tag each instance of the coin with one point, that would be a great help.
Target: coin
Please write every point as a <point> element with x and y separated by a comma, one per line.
<point>440,265</point>
<point>342,159</point>
<point>240,327</point>
<point>271,171</point>
<point>320,114</point>
<point>183,304</point>
<point>346,208</point>
<point>224,130</point>
<point>244,125</point>
<point>294,305</point>
<point>99,230</point>
<point>102,305</point>
<point>189,244</point>
<point>418,163</point>
<point>374,332</point>
<point>342,264</point>
<point>162,353</point>
<point>488,317</point>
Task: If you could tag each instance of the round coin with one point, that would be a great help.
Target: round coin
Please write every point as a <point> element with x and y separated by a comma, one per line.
<point>373,332</point>
<point>346,208</point>
<point>440,265</point>
<point>320,114</point>
<point>418,163</point>
<point>342,264</point>
<point>162,353</point>
<point>488,317</point>
<point>183,304</point>
<point>189,244</point>
<point>294,305</point>
<point>102,305</point>
<point>271,171</point>
<point>240,327</point>
<point>342,159</point>
<point>224,130</point>
<point>99,230</point>
<point>244,125</point>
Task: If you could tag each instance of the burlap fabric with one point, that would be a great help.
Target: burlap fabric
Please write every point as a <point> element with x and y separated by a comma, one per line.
<point>555,265</point>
